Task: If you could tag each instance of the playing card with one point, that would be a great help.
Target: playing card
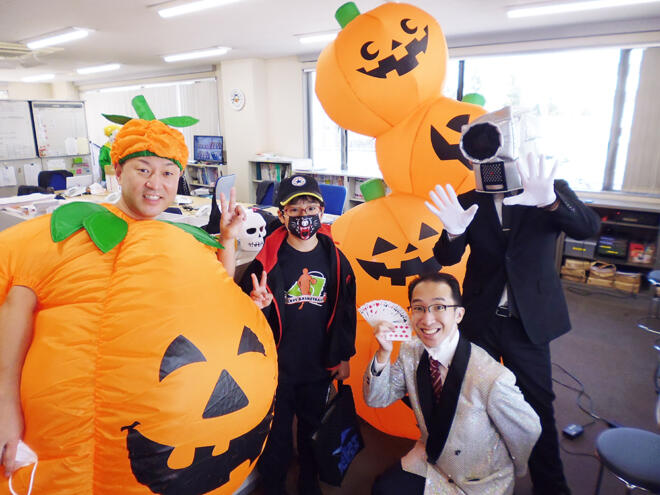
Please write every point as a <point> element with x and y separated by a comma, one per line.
<point>383,310</point>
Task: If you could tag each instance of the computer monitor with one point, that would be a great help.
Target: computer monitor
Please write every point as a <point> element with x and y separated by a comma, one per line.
<point>207,149</point>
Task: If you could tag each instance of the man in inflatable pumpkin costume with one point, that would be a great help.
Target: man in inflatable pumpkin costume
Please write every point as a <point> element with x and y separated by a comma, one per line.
<point>107,373</point>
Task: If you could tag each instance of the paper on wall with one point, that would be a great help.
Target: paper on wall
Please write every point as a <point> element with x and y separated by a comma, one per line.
<point>31,173</point>
<point>55,164</point>
<point>8,175</point>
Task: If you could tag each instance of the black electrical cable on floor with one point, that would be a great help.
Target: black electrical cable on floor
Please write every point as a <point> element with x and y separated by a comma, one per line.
<point>581,392</point>
<point>589,411</point>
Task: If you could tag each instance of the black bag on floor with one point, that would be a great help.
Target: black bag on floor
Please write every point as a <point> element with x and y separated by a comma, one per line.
<point>338,439</point>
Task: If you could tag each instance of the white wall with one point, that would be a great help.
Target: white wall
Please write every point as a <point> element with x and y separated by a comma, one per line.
<point>30,91</point>
<point>285,101</point>
<point>272,119</point>
<point>245,131</point>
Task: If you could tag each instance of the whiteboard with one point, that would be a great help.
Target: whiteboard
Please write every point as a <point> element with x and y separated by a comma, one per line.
<point>60,128</point>
<point>16,136</point>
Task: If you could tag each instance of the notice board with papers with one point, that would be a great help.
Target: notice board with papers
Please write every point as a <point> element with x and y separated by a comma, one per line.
<point>60,128</point>
<point>16,131</point>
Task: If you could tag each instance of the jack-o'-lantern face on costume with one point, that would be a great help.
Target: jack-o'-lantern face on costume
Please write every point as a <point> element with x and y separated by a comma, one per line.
<point>388,242</point>
<point>424,150</point>
<point>193,466</point>
<point>381,66</point>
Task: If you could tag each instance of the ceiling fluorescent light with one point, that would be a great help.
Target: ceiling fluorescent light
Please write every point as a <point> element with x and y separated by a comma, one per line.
<point>59,38</point>
<point>98,68</point>
<point>39,78</point>
<point>306,39</point>
<point>572,7</point>
<point>221,50</point>
<point>187,8</point>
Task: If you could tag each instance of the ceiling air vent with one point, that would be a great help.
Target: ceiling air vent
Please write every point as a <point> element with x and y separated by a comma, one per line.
<point>13,50</point>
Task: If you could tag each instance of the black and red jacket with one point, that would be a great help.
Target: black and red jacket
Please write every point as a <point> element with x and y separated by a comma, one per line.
<point>341,294</point>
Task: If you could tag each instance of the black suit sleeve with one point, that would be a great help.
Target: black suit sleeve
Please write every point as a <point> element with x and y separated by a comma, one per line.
<point>449,252</point>
<point>572,216</point>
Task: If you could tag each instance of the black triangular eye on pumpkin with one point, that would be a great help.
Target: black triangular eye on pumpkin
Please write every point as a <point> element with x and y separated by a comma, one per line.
<point>410,248</point>
<point>364,51</point>
<point>226,398</point>
<point>179,353</point>
<point>406,27</point>
<point>382,246</point>
<point>425,231</point>
<point>457,123</point>
<point>250,343</point>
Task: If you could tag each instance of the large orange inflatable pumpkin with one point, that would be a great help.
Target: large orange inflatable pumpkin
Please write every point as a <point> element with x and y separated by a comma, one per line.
<point>423,150</point>
<point>388,241</point>
<point>381,67</point>
<point>149,370</point>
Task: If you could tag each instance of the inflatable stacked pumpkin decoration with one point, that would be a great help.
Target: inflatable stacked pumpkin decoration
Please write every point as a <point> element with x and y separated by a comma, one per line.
<point>382,76</point>
<point>149,370</point>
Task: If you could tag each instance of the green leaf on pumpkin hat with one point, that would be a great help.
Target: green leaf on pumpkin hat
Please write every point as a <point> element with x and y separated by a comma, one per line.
<point>144,112</point>
<point>117,119</point>
<point>183,121</point>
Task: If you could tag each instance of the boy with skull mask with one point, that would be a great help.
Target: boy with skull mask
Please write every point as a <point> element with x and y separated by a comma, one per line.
<point>313,318</point>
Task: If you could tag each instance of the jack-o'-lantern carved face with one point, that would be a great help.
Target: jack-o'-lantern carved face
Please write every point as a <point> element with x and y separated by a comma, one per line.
<point>382,66</point>
<point>152,461</point>
<point>423,151</point>
<point>388,241</point>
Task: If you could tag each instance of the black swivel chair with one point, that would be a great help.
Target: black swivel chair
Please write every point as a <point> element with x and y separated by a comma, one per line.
<point>53,178</point>
<point>632,455</point>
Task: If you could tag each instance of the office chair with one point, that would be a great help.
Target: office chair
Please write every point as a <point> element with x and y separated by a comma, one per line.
<point>632,455</point>
<point>53,178</point>
<point>183,188</point>
<point>334,198</point>
<point>223,185</point>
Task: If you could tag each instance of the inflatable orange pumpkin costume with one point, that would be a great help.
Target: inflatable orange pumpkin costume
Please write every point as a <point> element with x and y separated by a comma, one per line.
<point>149,371</point>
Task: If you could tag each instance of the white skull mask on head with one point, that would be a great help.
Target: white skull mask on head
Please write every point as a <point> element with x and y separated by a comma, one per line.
<point>253,232</point>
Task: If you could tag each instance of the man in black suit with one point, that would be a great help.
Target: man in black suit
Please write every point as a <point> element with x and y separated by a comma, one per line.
<point>512,293</point>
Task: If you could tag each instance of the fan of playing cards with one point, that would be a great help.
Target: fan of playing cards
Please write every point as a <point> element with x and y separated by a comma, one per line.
<point>381,310</point>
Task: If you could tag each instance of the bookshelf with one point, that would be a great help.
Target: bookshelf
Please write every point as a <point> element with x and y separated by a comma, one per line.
<point>351,181</point>
<point>204,174</point>
<point>633,226</point>
<point>273,168</point>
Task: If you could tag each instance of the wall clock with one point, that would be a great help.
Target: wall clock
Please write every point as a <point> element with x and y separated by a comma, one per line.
<point>237,99</point>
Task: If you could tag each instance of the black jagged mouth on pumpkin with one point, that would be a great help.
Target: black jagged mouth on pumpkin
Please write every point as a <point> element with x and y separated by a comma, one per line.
<point>404,65</point>
<point>397,276</point>
<point>206,472</point>
<point>441,147</point>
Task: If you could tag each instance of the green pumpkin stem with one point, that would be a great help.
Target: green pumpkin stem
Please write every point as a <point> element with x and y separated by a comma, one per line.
<point>142,108</point>
<point>373,189</point>
<point>346,13</point>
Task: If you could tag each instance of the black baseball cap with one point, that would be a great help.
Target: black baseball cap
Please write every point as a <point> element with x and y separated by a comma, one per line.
<point>295,186</point>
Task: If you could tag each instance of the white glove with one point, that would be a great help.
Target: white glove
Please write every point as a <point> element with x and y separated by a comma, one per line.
<point>449,210</point>
<point>538,189</point>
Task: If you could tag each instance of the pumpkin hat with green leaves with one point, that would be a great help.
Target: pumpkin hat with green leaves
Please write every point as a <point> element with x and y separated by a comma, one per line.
<point>148,136</point>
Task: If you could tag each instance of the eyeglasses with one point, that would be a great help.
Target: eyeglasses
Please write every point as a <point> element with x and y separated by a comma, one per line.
<point>434,309</point>
<point>297,211</point>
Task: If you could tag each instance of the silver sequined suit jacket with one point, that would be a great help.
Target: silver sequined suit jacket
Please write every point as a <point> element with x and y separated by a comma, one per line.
<point>492,433</point>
